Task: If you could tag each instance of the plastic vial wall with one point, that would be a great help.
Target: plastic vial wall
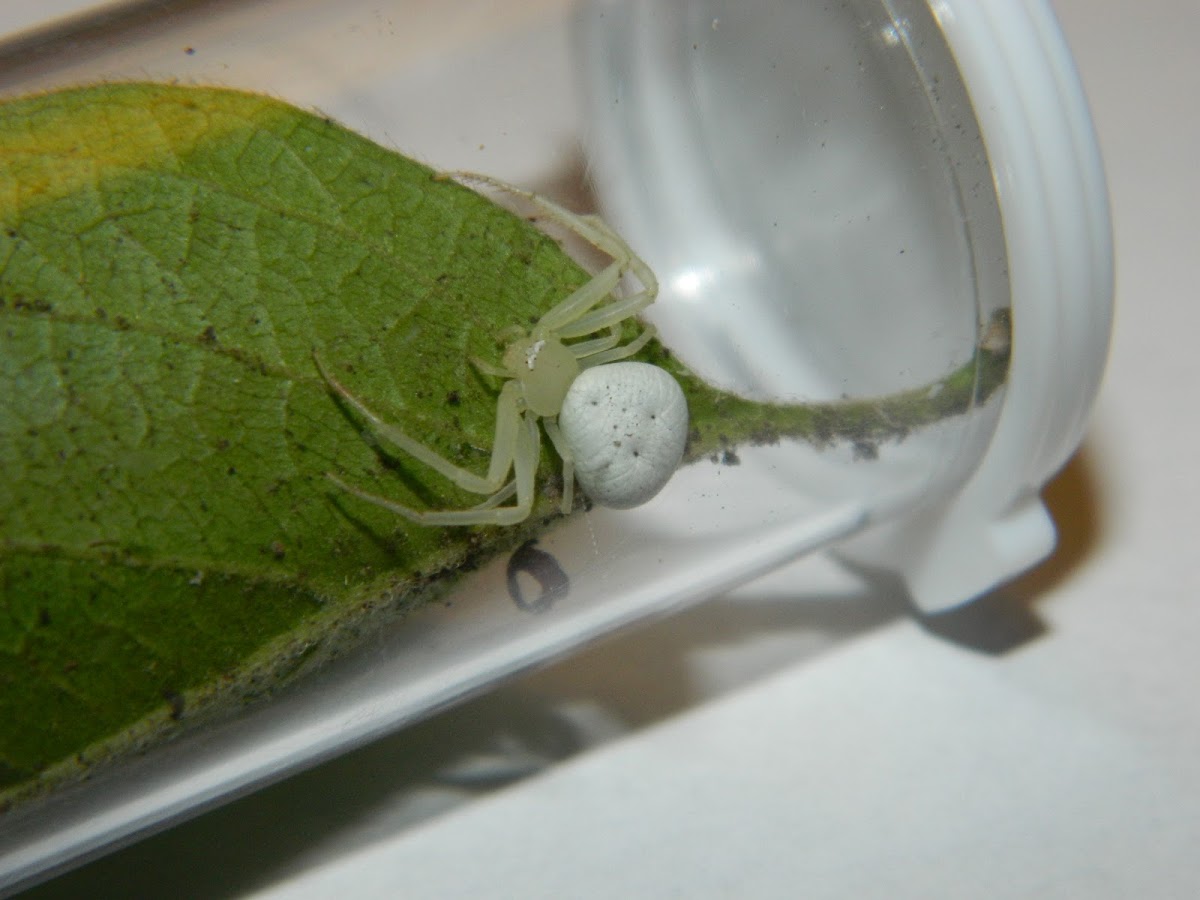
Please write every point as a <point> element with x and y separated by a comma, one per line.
<point>829,221</point>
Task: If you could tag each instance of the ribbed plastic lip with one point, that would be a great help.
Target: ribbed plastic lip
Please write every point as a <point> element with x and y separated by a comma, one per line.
<point>1050,185</point>
<point>1054,204</point>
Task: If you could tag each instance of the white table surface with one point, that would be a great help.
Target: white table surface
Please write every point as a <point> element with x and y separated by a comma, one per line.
<point>827,744</point>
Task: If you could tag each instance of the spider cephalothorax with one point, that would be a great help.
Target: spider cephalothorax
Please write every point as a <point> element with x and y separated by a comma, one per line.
<point>625,424</point>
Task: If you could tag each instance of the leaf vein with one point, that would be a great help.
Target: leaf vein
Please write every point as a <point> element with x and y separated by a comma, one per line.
<point>198,568</point>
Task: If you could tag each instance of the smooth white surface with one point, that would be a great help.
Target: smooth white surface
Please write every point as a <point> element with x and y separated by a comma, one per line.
<point>897,767</point>
<point>893,765</point>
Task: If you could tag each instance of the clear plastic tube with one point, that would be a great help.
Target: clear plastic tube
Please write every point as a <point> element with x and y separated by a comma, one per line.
<point>815,191</point>
<point>812,187</point>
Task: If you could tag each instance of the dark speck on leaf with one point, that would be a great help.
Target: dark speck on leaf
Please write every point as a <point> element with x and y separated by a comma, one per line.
<point>209,335</point>
<point>730,458</point>
<point>35,305</point>
<point>452,399</point>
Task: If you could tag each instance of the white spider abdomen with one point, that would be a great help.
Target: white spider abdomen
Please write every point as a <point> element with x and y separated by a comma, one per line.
<point>626,425</point>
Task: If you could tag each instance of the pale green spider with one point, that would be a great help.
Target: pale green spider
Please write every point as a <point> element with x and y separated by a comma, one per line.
<point>539,367</point>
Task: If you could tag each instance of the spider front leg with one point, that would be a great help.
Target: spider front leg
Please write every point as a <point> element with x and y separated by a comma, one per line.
<point>583,312</point>
<point>606,355</point>
<point>575,316</point>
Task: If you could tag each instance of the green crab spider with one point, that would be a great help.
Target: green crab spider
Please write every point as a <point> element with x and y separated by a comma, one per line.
<point>539,369</point>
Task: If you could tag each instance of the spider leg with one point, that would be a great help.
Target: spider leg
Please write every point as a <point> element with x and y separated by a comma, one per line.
<point>507,425</point>
<point>637,265</point>
<point>488,368</point>
<point>568,462</point>
<point>505,493</point>
<point>609,314</point>
<point>616,353</point>
<point>588,295</point>
<point>525,453</point>
<point>590,228</point>
<point>599,234</point>
<point>580,349</point>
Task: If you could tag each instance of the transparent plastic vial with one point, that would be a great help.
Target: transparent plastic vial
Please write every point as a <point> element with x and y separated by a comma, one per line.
<point>844,202</point>
<point>849,200</point>
<point>813,189</point>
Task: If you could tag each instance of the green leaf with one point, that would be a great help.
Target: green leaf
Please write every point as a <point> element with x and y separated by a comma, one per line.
<point>170,258</point>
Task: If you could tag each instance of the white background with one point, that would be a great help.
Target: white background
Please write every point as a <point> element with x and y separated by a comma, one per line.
<point>790,741</point>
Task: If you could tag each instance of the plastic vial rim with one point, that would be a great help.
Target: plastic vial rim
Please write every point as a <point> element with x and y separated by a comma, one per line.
<point>1053,201</point>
